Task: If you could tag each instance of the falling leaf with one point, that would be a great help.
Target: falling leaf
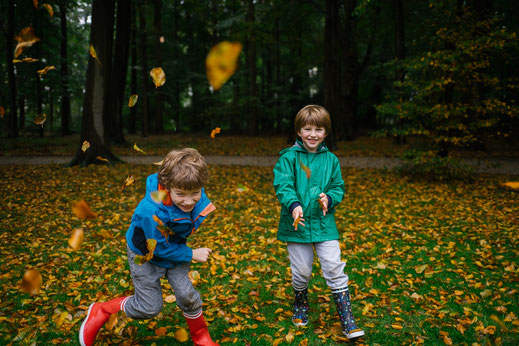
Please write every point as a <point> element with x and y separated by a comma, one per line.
<point>161,39</point>
<point>215,131</point>
<point>130,180</point>
<point>133,100</point>
<point>40,119</point>
<point>76,238</point>
<point>296,222</point>
<point>158,163</point>
<point>158,196</point>
<point>82,210</point>
<point>35,3</point>
<point>158,75</point>
<point>164,230</point>
<point>49,9</point>
<point>100,158</point>
<point>514,185</point>
<point>93,53</point>
<point>150,244</point>
<point>161,331</point>
<point>194,276</point>
<point>45,70</point>
<point>25,60</point>
<point>85,146</point>
<point>25,38</point>
<point>306,169</point>
<point>31,281</point>
<point>2,112</point>
<point>137,148</point>
<point>221,62</point>
<point>181,335</point>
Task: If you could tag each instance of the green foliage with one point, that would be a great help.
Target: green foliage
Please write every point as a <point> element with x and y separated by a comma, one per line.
<point>426,164</point>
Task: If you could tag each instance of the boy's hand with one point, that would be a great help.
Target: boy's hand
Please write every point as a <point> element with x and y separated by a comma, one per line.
<point>324,202</point>
<point>297,214</point>
<point>201,254</point>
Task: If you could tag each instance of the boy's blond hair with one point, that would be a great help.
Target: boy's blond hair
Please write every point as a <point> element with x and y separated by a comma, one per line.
<point>313,115</point>
<point>183,169</point>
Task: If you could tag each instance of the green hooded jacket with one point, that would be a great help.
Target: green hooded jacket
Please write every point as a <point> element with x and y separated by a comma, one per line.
<point>292,185</point>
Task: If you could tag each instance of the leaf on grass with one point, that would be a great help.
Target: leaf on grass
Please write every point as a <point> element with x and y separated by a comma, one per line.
<point>161,331</point>
<point>150,244</point>
<point>49,9</point>
<point>40,119</point>
<point>181,335</point>
<point>396,326</point>
<point>82,210</point>
<point>170,299</point>
<point>194,276</point>
<point>130,180</point>
<point>420,269</point>
<point>31,281</point>
<point>158,75</point>
<point>25,38</point>
<point>305,168</point>
<point>221,62</point>
<point>100,158</point>
<point>133,100</point>
<point>290,337</point>
<point>45,70</point>
<point>76,238</point>
<point>445,338</point>
<point>486,293</point>
<point>2,112</point>
<point>93,53</point>
<point>112,321</point>
<point>158,196</point>
<point>138,149</point>
<point>85,146</point>
<point>215,131</point>
<point>59,317</point>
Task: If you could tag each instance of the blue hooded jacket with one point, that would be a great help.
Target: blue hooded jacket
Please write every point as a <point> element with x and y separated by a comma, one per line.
<point>143,226</point>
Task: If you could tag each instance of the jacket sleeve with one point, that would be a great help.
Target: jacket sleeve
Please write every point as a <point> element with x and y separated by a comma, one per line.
<point>176,252</point>
<point>284,182</point>
<point>336,189</point>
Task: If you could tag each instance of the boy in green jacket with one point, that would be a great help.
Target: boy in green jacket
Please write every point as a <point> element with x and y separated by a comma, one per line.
<point>308,184</point>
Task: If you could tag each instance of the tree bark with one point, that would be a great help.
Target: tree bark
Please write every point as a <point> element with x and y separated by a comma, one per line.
<point>132,122</point>
<point>157,28</point>
<point>21,105</point>
<point>144,71</point>
<point>12,128</point>
<point>251,70</point>
<point>65,91</point>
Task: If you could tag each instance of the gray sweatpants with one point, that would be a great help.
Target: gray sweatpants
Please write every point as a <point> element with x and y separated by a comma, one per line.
<point>147,301</point>
<point>301,257</point>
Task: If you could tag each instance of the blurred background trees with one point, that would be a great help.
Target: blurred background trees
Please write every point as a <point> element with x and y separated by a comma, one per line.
<point>445,71</point>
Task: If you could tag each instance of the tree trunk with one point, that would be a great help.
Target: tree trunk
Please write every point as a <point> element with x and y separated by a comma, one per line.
<point>398,19</point>
<point>21,105</point>
<point>176,55</point>
<point>251,71</point>
<point>97,92</point>
<point>132,122</point>
<point>120,68</point>
<point>144,71</point>
<point>157,28</point>
<point>12,128</point>
<point>65,91</point>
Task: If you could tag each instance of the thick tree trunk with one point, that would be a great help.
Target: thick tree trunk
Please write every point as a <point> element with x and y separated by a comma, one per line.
<point>97,91</point>
<point>12,128</point>
<point>144,72</point>
<point>157,28</point>
<point>65,91</point>
<point>251,71</point>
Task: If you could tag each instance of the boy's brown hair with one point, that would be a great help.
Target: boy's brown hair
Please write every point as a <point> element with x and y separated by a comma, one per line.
<point>313,115</point>
<point>183,169</point>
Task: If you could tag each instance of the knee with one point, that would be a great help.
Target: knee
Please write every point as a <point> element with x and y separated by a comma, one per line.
<point>302,272</point>
<point>189,301</point>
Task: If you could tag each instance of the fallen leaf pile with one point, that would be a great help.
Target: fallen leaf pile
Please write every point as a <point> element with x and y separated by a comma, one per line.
<point>428,263</point>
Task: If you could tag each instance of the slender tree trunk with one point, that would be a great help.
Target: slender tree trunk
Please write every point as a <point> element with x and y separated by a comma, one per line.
<point>277,76</point>
<point>65,91</point>
<point>176,55</point>
<point>12,128</point>
<point>132,123</point>
<point>37,66</point>
<point>157,28</point>
<point>251,71</point>
<point>144,71</point>
<point>21,105</point>
<point>51,108</point>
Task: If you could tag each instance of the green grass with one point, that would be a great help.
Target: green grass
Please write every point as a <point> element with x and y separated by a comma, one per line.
<point>465,234</point>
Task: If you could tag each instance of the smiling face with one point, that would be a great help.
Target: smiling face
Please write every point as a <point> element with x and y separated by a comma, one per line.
<point>185,199</point>
<point>312,136</point>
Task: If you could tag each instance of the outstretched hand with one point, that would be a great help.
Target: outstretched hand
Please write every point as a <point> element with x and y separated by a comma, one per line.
<point>201,254</point>
<point>297,214</point>
<point>323,202</point>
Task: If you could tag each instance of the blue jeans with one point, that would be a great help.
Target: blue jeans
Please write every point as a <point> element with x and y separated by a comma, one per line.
<point>147,300</point>
<point>301,257</point>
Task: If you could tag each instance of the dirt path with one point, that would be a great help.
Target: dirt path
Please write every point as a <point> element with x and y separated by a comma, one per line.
<point>491,166</point>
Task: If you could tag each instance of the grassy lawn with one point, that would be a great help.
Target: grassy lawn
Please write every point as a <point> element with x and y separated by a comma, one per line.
<point>428,263</point>
<point>233,145</point>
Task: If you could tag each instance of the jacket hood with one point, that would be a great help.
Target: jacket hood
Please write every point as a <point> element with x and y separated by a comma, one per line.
<point>299,146</point>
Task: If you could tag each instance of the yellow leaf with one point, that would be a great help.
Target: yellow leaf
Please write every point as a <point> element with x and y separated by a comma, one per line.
<point>158,196</point>
<point>486,293</point>
<point>85,146</point>
<point>445,338</point>
<point>25,60</point>
<point>150,244</point>
<point>514,185</point>
<point>396,326</point>
<point>133,100</point>
<point>296,222</point>
<point>138,149</point>
<point>93,53</point>
<point>181,335</point>
<point>458,292</point>
<point>40,119</point>
<point>289,337</point>
<point>170,299</point>
<point>112,321</point>
<point>25,38</point>
<point>215,131</point>
<point>100,158</point>
<point>60,317</point>
<point>305,168</point>
<point>158,75</point>
<point>194,276</point>
<point>221,62</point>
<point>49,9</point>
<point>420,269</point>
<point>82,210</point>
<point>76,238</point>
<point>31,281</point>
<point>158,163</point>
<point>130,180</point>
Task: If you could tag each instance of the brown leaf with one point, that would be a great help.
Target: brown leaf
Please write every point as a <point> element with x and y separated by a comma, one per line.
<point>40,119</point>
<point>100,158</point>
<point>82,210</point>
<point>76,238</point>
<point>221,62</point>
<point>2,112</point>
<point>25,38</point>
<point>49,9</point>
<point>93,53</point>
<point>130,180</point>
<point>158,75</point>
<point>31,281</point>
<point>45,70</point>
<point>35,3</point>
<point>305,168</point>
<point>161,331</point>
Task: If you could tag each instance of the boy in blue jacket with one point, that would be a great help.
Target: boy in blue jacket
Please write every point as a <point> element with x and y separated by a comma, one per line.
<point>169,222</point>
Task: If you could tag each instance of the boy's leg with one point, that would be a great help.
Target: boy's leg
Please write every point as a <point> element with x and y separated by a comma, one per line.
<point>329,254</point>
<point>301,257</point>
<point>189,301</point>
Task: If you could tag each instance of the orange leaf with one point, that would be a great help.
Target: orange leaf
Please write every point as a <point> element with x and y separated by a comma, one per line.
<point>514,185</point>
<point>40,119</point>
<point>133,100</point>
<point>215,131</point>
<point>161,331</point>
<point>130,180</point>
<point>112,321</point>
<point>25,38</point>
<point>85,146</point>
<point>158,163</point>
<point>31,281</point>
<point>93,53</point>
<point>157,220</point>
<point>49,9</point>
<point>2,112</point>
<point>76,238</point>
<point>100,158</point>
<point>82,210</point>
<point>305,168</point>
<point>138,149</point>
<point>35,3</point>
<point>181,335</point>
<point>25,60</point>
<point>45,70</point>
<point>158,75</point>
<point>296,222</point>
<point>396,326</point>
<point>221,62</point>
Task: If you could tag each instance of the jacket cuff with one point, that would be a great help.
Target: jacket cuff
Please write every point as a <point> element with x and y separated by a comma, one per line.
<point>330,201</point>
<point>293,206</point>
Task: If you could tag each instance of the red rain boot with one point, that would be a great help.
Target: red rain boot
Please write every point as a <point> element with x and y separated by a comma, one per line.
<point>97,315</point>
<point>198,330</point>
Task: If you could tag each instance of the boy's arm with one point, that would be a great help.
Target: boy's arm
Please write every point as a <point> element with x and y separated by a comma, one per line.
<point>335,191</point>
<point>284,182</point>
